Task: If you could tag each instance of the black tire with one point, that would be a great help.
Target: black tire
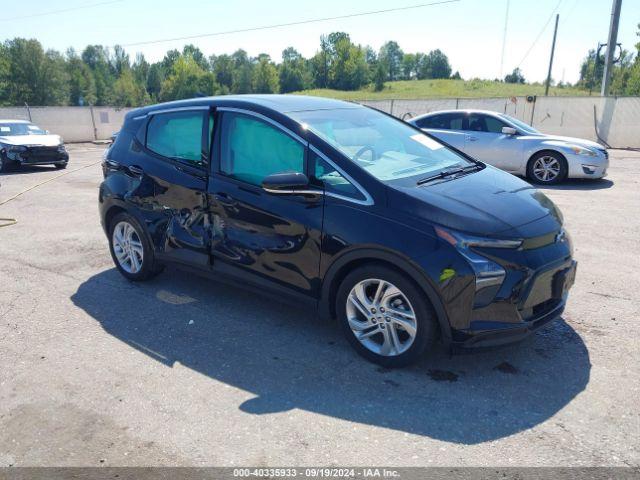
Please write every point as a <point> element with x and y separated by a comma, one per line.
<point>150,267</point>
<point>426,322</point>
<point>562,174</point>
<point>61,166</point>
<point>5,165</point>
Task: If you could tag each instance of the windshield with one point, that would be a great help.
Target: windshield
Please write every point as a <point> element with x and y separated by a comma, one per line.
<point>387,148</point>
<point>520,125</point>
<point>9,129</point>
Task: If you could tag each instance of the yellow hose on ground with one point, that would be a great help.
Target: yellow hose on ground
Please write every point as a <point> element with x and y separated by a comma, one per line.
<point>12,221</point>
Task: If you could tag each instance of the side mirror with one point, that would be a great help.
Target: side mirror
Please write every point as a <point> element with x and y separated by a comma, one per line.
<point>286,183</point>
<point>509,130</point>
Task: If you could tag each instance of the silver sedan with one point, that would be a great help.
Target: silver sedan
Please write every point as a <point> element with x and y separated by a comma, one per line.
<point>514,146</point>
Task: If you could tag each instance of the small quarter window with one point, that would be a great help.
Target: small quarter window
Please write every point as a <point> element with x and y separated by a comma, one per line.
<point>332,180</point>
<point>178,136</point>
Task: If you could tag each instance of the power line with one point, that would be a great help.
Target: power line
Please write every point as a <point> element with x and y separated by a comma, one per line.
<point>55,12</point>
<point>540,34</point>
<point>290,24</point>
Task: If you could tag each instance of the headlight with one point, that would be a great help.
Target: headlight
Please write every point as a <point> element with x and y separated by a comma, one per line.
<point>582,151</point>
<point>489,275</point>
<point>17,148</point>
<point>61,148</point>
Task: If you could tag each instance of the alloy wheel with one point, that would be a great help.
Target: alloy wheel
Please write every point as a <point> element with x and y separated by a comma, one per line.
<point>127,247</point>
<point>546,169</point>
<point>381,317</point>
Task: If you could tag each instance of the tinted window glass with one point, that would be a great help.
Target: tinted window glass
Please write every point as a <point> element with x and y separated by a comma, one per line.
<point>493,124</point>
<point>485,123</point>
<point>446,121</point>
<point>332,180</point>
<point>253,149</point>
<point>177,135</point>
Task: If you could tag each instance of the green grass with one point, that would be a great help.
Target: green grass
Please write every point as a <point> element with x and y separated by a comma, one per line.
<point>444,88</point>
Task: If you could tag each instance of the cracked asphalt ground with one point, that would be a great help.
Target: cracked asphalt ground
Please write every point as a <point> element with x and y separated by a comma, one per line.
<point>187,371</point>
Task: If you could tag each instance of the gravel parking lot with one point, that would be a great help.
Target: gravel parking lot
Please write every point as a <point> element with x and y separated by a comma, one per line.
<point>187,371</point>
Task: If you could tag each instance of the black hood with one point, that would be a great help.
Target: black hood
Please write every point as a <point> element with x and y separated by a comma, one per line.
<point>489,202</point>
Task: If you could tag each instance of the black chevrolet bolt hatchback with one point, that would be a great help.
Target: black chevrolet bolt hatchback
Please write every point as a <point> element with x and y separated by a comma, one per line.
<point>369,220</point>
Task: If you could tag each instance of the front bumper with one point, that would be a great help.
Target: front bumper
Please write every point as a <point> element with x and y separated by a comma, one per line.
<point>36,155</point>
<point>544,300</point>
<point>582,166</point>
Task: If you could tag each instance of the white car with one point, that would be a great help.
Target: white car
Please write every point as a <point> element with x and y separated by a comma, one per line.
<point>514,146</point>
<point>23,143</point>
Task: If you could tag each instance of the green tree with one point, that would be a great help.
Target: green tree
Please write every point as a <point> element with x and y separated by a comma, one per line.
<point>292,71</point>
<point>97,59</point>
<point>379,76</point>
<point>199,57</point>
<point>435,65</point>
<point>129,93</point>
<point>514,77</point>
<point>391,57</point>
<point>348,70</point>
<point>265,77</point>
<point>242,72</point>
<point>223,67</point>
<point>187,80</point>
<point>33,75</point>
<point>155,77</point>
<point>82,86</point>
<point>409,65</point>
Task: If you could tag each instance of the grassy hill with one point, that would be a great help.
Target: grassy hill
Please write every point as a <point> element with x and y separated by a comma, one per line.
<point>444,88</point>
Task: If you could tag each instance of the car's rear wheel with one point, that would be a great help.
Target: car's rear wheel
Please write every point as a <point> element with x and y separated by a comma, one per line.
<point>547,168</point>
<point>384,316</point>
<point>130,249</point>
<point>4,165</point>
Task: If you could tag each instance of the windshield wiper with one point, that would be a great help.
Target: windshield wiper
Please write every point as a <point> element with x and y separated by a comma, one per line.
<point>449,172</point>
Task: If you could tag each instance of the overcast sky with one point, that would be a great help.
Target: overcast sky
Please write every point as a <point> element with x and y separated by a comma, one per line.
<point>470,32</point>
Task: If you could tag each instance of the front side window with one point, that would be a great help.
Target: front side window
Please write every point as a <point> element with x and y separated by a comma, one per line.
<point>252,149</point>
<point>521,125</point>
<point>10,129</point>
<point>485,123</point>
<point>178,136</point>
<point>383,146</point>
<point>332,180</point>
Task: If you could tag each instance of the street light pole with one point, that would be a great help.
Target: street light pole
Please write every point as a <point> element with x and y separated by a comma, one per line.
<point>611,46</point>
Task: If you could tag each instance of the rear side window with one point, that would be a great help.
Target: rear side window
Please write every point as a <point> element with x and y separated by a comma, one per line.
<point>252,149</point>
<point>445,121</point>
<point>178,135</point>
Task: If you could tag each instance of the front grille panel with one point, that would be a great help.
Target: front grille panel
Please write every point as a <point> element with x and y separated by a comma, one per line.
<point>41,154</point>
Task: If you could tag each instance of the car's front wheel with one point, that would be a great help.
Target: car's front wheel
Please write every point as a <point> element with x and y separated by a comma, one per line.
<point>547,168</point>
<point>130,249</point>
<point>61,166</point>
<point>385,316</point>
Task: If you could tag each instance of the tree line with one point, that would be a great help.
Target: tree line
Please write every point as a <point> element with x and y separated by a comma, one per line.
<point>101,75</point>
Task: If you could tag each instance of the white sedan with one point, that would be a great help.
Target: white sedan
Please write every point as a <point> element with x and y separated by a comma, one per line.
<point>514,146</point>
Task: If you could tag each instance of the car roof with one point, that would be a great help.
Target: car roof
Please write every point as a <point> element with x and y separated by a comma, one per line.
<point>466,111</point>
<point>14,121</point>
<point>279,103</point>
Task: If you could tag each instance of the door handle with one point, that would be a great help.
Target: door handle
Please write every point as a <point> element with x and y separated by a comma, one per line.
<point>472,139</point>
<point>225,200</point>
<point>136,170</point>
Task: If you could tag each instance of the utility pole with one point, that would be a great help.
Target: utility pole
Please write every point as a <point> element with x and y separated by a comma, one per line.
<point>553,50</point>
<point>504,40</point>
<point>611,46</point>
